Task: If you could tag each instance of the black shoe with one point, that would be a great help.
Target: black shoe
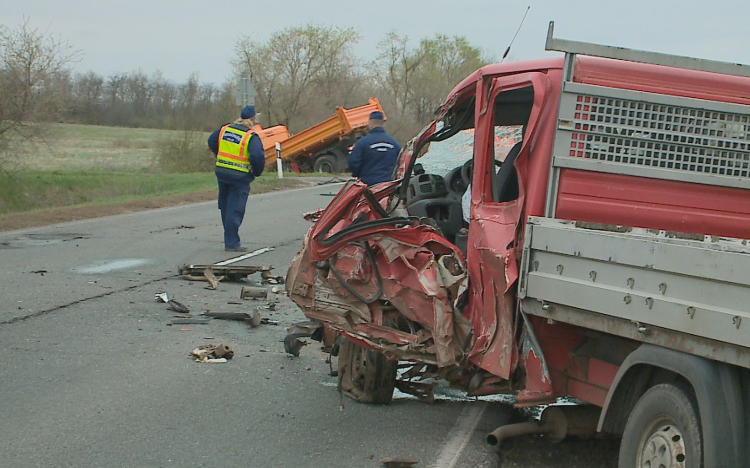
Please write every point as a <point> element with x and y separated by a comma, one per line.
<point>241,248</point>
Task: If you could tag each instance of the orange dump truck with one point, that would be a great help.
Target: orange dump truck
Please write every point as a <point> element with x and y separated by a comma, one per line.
<point>323,147</point>
<point>271,135</point>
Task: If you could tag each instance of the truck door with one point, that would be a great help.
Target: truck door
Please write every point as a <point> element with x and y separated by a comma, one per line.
<point>511,106</point>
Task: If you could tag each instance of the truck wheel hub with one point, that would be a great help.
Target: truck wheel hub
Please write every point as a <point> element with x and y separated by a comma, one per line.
<point>664,448</point>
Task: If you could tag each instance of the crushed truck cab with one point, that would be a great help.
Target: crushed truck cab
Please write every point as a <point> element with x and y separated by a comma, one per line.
<point>565,227</point>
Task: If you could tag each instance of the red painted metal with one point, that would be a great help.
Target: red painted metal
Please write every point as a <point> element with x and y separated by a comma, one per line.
<point>629,75</point>
<point>655,204</point>
<point>405,254</point>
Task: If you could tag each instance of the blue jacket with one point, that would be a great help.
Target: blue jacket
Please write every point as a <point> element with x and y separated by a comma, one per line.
<point>255,153</point>
<point>373,157</point>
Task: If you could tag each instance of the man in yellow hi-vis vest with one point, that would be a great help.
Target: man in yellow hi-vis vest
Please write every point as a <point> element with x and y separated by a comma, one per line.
<point>239,160</point>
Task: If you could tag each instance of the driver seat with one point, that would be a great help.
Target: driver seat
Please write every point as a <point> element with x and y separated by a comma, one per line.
<point>506,179</point>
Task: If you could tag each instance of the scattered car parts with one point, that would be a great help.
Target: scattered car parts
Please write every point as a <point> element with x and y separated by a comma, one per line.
<point>210,353</point>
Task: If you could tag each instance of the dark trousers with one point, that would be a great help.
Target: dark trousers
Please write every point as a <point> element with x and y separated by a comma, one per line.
<point>232,200</point>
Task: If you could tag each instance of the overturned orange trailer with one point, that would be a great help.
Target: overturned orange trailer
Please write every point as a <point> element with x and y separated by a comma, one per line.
<point>323,147</point>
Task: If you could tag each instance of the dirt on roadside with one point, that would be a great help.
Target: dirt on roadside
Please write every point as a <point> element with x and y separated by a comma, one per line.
<point>13,221</point>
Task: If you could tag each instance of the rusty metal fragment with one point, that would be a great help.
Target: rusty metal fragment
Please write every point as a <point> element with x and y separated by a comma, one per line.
<point>190,321</point>
<point>212,279</point>
<point>253,292</point>
<point>178,306</point>
<point>269,278</point>
<point>231,273</point>
<point>254,318</point>
<point>421,390</point>
<point>399,462</point>
<point>292,342</point>
<point>211,353</point>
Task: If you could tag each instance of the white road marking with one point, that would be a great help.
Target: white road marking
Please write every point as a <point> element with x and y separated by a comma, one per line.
<point>459,436</point>
<point>242,257</point>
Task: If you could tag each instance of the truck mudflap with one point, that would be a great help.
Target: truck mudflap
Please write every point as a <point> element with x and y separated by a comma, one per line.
<point>390,283</point>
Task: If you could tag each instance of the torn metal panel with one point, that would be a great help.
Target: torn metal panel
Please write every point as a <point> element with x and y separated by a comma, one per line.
<point>492,259</point>
<point>538,382</point>
<point>393,284</point>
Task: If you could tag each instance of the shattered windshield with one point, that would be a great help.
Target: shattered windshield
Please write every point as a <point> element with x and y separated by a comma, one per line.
<point>442,156</point>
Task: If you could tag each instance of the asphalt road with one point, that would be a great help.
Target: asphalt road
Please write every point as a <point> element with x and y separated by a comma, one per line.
<point>93,375</point>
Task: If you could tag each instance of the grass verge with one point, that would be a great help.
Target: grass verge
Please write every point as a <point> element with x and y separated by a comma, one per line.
<point>38,190</point>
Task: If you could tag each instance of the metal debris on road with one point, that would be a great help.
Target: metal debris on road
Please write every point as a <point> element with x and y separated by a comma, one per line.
<point>174,305</point>
<point>253,292</point>
<point>190,321</point>
<point>210,353</point>
<point>268,278</point>
<point>254,319</point>
<point>333,180</point>
<point>162,297</point>
<point>213,281</point>
<point>398,462</point>
<point>178,306</point>
<point>292,343</point>
<point>421,390</point>
<point>230,273</point>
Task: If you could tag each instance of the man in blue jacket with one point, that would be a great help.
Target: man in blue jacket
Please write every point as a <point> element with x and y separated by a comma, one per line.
<point>239,160</point>
<point>373,156</point>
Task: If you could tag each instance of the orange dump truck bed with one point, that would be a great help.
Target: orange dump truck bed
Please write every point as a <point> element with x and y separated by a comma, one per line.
<point>311,140</point>
<point>271,135</point>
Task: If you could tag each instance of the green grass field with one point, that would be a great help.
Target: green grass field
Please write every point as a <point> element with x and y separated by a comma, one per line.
<point>84,164</point>
<point>85,147</point>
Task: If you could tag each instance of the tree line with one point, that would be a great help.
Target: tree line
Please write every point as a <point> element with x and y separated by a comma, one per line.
<point>300,74</point>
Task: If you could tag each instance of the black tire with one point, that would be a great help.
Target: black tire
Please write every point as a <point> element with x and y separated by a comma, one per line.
<point>325,163</point>
<point>342,161</point>
<point>663,430</point>
<point>365,375</point>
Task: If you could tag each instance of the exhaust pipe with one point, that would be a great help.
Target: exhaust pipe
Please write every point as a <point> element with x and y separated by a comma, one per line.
<point>497,436</point>
<point>557,422</point>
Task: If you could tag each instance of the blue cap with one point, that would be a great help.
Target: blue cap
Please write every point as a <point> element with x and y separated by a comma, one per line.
<point>377,115</point>
<point>248,112</point>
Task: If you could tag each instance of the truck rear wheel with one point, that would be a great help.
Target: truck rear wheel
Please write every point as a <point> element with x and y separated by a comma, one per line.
<point>663,430</point>
<point>325,163</point>
<point>365,375</point>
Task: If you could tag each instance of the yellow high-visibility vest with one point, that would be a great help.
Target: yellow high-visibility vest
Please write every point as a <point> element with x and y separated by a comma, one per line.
<point>233,148</point>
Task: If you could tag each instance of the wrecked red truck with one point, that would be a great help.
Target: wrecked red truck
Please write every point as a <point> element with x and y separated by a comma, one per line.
<point>601,257</point>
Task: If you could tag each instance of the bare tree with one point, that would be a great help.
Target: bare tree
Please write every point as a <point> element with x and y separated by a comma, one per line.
<point>31,60</point>
<point>88,94</point>
<point>294,64</point>
<point>412,82</point>
<point>445,62</point>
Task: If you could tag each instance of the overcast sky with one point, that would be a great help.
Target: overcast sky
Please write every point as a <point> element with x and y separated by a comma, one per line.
<point>186,36</point>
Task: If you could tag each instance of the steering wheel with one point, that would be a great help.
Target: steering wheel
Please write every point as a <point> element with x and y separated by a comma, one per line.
<point>468,168</point>
<point>466,171</point>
